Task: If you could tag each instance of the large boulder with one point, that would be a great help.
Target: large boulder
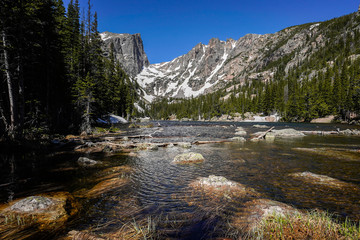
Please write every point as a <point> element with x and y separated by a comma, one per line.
<point>190,157</point>
<point>45,211</point>
<point>327,119</point>
<point>220,188</point>
<point>283,133</point>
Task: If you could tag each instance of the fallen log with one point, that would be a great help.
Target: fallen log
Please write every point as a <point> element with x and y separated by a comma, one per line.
<point>262,136</point>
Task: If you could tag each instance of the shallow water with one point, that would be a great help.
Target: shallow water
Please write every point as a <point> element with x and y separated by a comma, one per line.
<point>158,190</point>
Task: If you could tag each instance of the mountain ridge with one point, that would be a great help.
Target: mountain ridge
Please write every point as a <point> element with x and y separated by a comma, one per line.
<point>206,68</point>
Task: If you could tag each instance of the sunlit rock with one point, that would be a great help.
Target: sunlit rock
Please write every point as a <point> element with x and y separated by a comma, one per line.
<point>33,203</point>
<point>218,187</point>
<point>238,139</point>
<point>327,119</point>
<point>285,133</point>
<point>190,157</point>
<point>241,133</point>
<point>350,132</point>
<point>147,146</point>
<point>45,211</point>
<point>260,126</point>
<point>184,144</point>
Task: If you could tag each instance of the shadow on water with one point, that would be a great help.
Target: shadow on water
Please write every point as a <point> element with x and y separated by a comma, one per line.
<point>156,196</point>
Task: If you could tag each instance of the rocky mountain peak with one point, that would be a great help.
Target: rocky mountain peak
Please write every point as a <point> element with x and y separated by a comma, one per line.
<point>129,51</point>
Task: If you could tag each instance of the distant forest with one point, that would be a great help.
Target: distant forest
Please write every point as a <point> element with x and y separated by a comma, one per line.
<point>327,82</point>
<point>54,75</point>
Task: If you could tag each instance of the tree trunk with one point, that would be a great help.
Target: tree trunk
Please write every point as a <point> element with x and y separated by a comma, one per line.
<point>11,130</point>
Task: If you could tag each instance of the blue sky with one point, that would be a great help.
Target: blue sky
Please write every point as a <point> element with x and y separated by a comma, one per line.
<point>170,28</point>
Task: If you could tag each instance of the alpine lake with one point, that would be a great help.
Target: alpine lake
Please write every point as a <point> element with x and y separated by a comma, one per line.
<point>142,193</point>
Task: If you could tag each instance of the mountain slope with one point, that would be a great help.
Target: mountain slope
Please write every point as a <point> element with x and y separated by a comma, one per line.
<point>206,68</point>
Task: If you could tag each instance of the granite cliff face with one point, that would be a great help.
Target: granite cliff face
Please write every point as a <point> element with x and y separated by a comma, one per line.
<point>129,51</point>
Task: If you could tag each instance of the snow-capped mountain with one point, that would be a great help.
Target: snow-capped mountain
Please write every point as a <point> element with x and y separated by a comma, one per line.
<point>208,67</point>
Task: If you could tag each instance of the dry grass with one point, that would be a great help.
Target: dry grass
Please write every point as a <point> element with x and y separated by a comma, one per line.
<point>311,225</point>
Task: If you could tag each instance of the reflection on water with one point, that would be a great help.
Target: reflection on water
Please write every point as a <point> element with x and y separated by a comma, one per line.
<point>159,189</point>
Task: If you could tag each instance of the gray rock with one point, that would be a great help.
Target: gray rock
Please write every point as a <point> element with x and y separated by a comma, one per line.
<point>240,133</point>
<point>238,139</point>
<point>260,126</point>
<point>189,158</point>
<point>31,204</point>
<point>84,161</point>
<point>184,144</point>
<point>129,51</point>
<point>216,181</point>
<point>350,132</point>
<point>288,132</point>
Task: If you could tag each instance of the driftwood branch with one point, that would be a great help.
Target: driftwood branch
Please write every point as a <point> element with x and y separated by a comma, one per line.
<point>261,136</point>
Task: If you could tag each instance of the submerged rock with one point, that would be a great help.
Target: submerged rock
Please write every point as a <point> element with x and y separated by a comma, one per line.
<point>85,162</point>
<point>337,153</point>
<point>318,179</point>
<point>190,157</point>
<point>103,187</point>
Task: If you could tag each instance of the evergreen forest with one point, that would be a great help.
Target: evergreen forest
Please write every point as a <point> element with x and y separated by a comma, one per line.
<point>54,77</point>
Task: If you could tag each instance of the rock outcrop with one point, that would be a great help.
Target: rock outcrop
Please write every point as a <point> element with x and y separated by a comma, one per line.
<point>128,50</point>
